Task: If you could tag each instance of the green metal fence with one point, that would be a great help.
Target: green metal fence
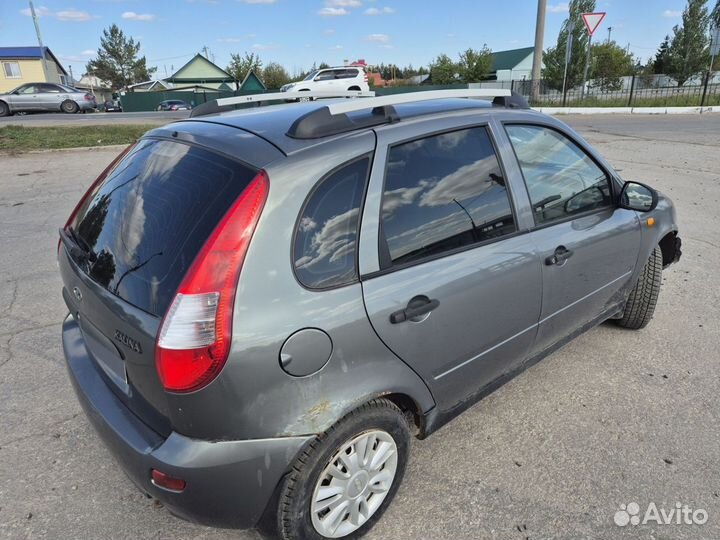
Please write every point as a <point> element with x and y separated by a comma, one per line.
<point>148,101</point>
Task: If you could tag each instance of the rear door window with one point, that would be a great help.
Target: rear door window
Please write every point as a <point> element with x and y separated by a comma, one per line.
<point>326,237</point>
<point>442,193</point>
<point>148,219</point>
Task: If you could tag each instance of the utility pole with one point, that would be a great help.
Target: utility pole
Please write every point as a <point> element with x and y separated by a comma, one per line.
<point>587,66</point>
<point>570,28</point>
<point>609,33</point>
<point>537,54</point>
<point>72,79</point>
<point>39,38</point>
<point>205,50</point>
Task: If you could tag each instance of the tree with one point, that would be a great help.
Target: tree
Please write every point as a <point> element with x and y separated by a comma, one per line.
<point>475,65</point>
<point>554,57</point>
<point>610,62</point>
<point>117,60</point>
<point>661,62</point>
<point>443,70</point>
<point>240,66</point>
<point>324,65</point>
<point>274,76</point>
<point>715,16</point>
<point>689,46</point>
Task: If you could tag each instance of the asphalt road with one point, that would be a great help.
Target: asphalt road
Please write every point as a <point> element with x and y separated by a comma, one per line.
<point>614,417</point>
<point>92,119</point>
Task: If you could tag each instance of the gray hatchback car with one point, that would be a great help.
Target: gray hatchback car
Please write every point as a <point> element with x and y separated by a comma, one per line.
<point>267,305</point>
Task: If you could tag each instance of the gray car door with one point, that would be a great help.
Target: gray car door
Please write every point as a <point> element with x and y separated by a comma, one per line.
<point>587,247</point>
<point>24,98</point>
<point>449,281</point>
<point>50,96</point>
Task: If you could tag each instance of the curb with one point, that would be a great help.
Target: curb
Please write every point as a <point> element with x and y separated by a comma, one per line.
<point>626,110</point>
<point>16,152</point>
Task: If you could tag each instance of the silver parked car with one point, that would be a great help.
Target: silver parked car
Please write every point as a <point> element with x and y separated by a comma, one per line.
<point>46,97</point>
<point>267,305</point>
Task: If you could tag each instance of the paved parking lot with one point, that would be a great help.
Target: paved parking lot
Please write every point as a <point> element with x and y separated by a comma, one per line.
<point>614,417</point>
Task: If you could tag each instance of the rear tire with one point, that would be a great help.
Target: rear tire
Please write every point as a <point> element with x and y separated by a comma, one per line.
<point>69,107</point>
<point>370,445</point>
<point>641,303</point>
<point>4,109</point>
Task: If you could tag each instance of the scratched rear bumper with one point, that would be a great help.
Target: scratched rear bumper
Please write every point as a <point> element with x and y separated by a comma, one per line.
<point>229,483</point>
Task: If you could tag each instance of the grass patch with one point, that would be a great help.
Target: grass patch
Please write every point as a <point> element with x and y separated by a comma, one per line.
<point>21,138</point>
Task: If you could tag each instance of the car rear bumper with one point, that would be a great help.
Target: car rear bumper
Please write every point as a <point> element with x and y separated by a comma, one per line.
<point>229,483</point>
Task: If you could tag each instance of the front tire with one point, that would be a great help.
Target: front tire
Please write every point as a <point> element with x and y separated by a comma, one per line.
<point>341,484</point>
<point>641,303</point>
<point>69,107</point>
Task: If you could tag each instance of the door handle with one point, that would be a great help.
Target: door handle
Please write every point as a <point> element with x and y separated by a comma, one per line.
<point>561,255</point>
<point>419,305</point>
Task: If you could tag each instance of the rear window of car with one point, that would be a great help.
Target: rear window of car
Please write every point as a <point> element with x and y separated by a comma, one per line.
<point>150,216</point>
<point>325,245</point>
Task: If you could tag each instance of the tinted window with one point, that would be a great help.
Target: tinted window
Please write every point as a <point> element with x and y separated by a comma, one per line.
<point>442,193</point>
<point>148,219</point>
<point>346,73</point>
<point>50,88</point>
<point>327,233</point>
<point>326,75</point>
<point>561,179</point>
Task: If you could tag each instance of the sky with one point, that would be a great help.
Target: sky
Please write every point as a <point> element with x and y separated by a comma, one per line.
<point>297,33</point>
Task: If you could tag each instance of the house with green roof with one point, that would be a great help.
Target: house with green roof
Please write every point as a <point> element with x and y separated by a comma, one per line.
<point>200,71</point>
<point>515,64</point>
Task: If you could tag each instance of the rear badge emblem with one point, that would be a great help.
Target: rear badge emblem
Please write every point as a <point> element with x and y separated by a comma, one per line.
<point>77,294</point>
<point>129,342</point>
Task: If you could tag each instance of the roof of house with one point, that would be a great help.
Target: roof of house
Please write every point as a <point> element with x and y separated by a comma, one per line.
<point>20,53</point>
<point>509,59</point>
<point>252,82</point>
<point>200,69</point>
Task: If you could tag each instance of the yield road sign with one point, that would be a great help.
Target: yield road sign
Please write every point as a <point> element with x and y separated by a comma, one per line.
<point>592,21</point>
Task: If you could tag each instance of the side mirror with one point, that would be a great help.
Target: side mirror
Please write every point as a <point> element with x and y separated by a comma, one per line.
<point>639,197</point>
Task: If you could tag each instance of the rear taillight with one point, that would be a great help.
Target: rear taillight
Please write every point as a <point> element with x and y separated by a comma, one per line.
<point>92,187</point>
<point>89,97</point>
<point>194,338</point>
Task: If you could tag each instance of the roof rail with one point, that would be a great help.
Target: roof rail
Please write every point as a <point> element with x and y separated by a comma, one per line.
<point>333,119</point>
<point>414,97</point>
<point>225,104</point>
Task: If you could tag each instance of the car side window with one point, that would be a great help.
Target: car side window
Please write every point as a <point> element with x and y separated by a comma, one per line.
<point>327,75</point>
<point>29,89</point>
<point>49,89</point>
<point>561,179</point>
<point>326,236</point>
<point>444,192</point>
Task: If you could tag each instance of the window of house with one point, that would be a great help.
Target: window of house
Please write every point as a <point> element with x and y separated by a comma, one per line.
<point>12,70</point>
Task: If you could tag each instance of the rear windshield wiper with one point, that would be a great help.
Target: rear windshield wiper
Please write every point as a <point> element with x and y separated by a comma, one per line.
<point>77,247</point>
